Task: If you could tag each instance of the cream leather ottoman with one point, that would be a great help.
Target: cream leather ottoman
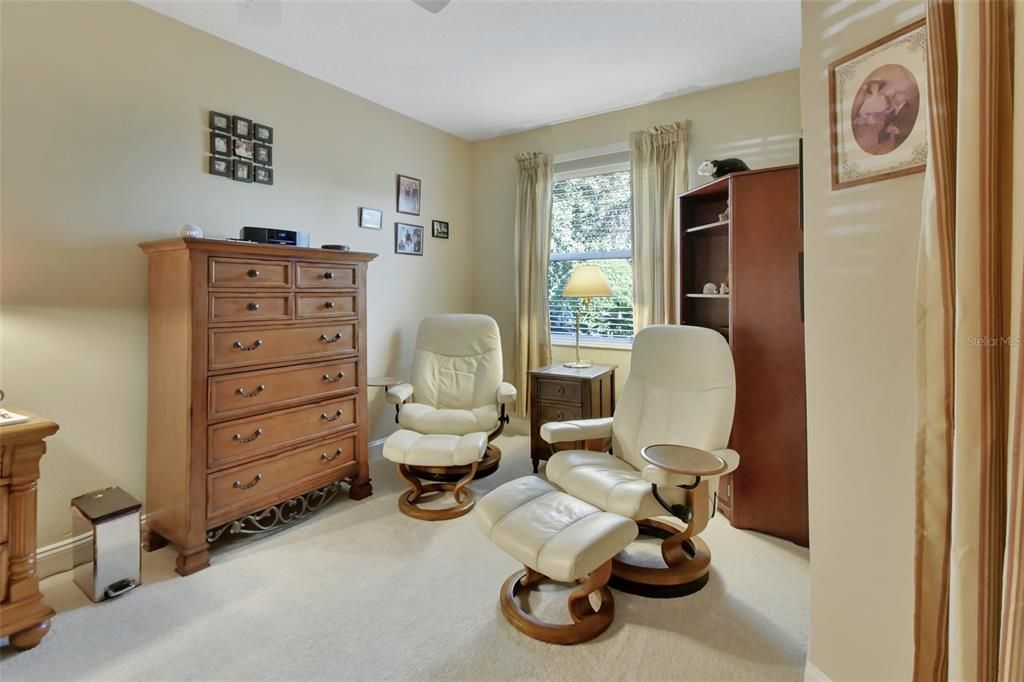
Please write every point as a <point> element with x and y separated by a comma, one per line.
<point>409,448</point>
<point>559,537</point>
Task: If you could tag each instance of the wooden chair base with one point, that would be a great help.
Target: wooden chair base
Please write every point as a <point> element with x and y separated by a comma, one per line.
<point>484,468</point>
<point>687,571</point>
<point>587,623</point>
<point>419,493</point>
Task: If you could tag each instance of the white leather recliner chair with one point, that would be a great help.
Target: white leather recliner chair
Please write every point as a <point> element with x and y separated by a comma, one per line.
<point>453,406</point>
<point>681,390</point>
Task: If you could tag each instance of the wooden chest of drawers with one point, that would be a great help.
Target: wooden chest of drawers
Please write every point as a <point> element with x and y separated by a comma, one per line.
<point>24,616</point>
<point>257,386</point>
<point>559,393</point>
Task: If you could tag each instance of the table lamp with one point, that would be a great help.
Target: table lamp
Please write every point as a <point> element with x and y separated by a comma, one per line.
<point>586,282</point>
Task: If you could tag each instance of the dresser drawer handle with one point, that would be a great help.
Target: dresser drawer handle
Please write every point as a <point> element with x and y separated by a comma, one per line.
<point>560,390</point>
<point>244,348</point>
<point>328,275</point>
<point>253,272</point>
<point>241,439</point>
<point>327,418</point>
<point>253,306</point>
<point>242,392</point>
<point>329,304</point>
<point>324,457</point>
<point>328,379</point>
<point>332,339</point>
<point>251,484</point>
<point>558,415</point>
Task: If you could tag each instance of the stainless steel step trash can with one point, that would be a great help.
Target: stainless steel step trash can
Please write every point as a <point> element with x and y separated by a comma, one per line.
<point>111,564</point>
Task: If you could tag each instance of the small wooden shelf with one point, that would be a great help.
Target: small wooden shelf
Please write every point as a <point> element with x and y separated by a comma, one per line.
<point>709,226</point>
<point>707,296</point>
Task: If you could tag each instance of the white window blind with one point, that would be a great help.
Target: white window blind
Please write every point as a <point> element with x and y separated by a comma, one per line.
<point>590,222</point>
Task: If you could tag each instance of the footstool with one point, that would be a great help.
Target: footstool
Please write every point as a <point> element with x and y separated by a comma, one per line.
<point>409,448</point>
<point>558,537</point>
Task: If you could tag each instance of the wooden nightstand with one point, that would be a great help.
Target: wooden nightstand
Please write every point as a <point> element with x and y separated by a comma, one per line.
<point>559,393</point>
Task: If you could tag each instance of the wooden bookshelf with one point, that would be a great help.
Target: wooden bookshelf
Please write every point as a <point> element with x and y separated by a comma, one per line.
<point>756,250</point>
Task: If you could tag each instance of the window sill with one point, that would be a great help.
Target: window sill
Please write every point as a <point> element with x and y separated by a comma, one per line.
<point>626,346</point>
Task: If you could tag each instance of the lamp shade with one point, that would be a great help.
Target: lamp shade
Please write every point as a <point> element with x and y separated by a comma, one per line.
<point>587,281</point>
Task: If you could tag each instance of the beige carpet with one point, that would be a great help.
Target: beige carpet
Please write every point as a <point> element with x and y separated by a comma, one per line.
<point>361,592</point>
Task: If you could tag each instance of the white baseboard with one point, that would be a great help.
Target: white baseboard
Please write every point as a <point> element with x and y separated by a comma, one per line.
<point>59,556</point>
<point>813,674</point>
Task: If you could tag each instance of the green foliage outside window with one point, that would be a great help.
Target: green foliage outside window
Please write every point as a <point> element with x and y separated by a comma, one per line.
<point>590,223</point>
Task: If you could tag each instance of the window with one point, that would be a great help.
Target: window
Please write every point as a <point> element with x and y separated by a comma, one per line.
<point>590,222</point>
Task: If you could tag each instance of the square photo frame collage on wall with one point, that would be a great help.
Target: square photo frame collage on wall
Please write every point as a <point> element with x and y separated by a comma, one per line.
<point>241,149</point>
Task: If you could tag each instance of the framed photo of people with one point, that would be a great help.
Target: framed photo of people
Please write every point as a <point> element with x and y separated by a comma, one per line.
<point>878,109</point>
<point>409,239</point>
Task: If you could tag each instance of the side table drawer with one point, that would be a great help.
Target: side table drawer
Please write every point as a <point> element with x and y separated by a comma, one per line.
<point>547,412</point>
<point>563,391</point>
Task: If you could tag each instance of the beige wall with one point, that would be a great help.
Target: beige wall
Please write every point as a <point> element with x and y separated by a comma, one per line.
<point>104,133</point>
<point>860,255</point>
<point>757,120</point>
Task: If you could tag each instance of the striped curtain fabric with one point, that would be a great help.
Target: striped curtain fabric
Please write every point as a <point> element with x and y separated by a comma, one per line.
<point>658,171</point>
<point>532,253</point>
<point>969,559</point>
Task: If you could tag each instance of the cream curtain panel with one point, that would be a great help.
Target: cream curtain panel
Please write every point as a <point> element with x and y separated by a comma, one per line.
<point>658,171</point>
<point>969,554</point>
<point>532,252</point>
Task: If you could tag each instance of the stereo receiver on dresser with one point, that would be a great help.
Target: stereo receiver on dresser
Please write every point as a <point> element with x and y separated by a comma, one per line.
<point>274,235</point>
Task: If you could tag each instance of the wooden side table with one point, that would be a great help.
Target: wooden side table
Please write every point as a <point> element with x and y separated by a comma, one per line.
<point>559,393</point>
<point>24,616</point>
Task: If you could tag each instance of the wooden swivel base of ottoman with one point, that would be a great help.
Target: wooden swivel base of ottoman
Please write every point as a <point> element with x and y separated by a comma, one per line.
<point>688,572</point>
<point>587,623</point>
<point>487,466</point>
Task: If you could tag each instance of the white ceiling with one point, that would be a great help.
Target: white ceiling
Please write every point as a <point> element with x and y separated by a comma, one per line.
<point>480,69</point>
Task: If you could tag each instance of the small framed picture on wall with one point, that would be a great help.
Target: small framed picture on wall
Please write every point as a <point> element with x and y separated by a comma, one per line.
<point>264,176</point>
<point>370,218</point>
<point>220,144</point>
<point>409,239</point>
<point>263,133</point>
<point>439,229</point>
<point>263,154</point>
<point>242,127</point>
<point>220,166</point>
<point>220,122</point>
<point>408,195</point>
<point>242,171</point>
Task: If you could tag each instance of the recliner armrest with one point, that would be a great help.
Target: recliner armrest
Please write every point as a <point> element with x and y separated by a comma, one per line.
<point>397,395</point>
<point>579,429</point>
<point>506,393</point>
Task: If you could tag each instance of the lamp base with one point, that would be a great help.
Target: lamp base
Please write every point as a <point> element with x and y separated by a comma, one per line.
<point>583,364</point>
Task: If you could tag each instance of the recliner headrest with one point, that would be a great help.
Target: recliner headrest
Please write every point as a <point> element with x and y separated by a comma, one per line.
<point>682,357</point>
<point>458,335</point>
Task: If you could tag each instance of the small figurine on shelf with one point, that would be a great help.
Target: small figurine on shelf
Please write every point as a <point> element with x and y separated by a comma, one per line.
<point>723,288</point>
<point>724,215</point>
<point>719,169</point>
<point>710,288</point>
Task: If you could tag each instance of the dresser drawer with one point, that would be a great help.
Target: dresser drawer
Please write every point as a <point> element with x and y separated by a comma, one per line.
<point>251,437</point>
<point>326,276</point>
<point>235,395</point>
<point>547,412</point>
<point>233,272</point>
<point>241,347</point>
<point>255,307</point>
<point>564,391</point>
<point>249,487</point>
<point>325,305</point>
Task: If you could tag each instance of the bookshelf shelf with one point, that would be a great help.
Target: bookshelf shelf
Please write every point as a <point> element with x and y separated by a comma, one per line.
<point>709,226</point>
<point>720,296</point>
